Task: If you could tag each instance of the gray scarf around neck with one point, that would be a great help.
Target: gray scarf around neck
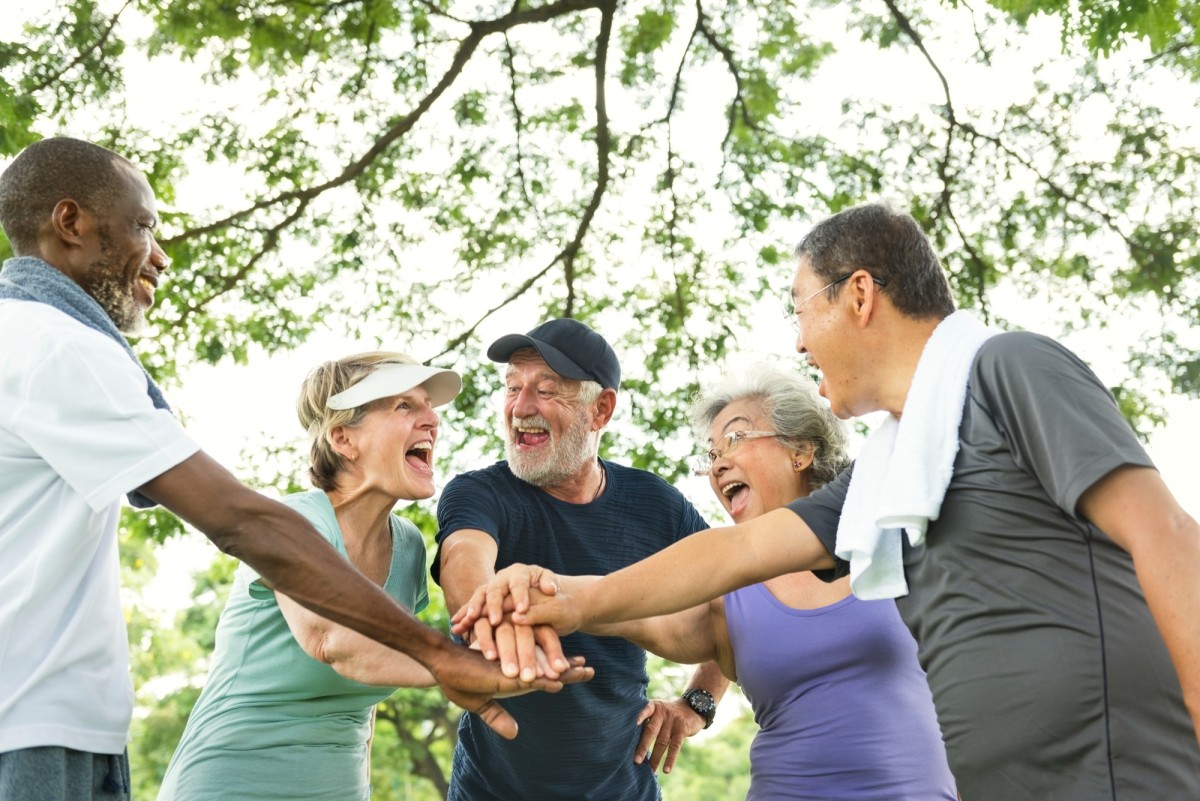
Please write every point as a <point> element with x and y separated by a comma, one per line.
<point>29,278</point>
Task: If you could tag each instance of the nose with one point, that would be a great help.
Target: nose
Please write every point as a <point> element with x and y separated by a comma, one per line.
<point>158,256</point>
<point>800,343</point>
<point>429,419</point>
<point>524,404</point>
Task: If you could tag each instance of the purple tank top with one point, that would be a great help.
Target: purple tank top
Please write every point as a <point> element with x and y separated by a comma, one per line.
<point>843,707</point>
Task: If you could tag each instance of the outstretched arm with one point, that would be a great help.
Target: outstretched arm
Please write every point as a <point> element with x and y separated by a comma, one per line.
<point>1134,507</point>
<point>293,559</point>
<point>694,570</point>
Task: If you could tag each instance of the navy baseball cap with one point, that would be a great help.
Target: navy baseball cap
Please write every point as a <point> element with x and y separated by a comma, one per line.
<point>570,348</point>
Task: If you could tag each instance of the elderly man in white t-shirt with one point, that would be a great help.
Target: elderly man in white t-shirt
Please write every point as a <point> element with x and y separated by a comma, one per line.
<point>81,424</point>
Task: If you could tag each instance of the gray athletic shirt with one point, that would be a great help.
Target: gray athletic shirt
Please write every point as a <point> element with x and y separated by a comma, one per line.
<point>1048,673</point>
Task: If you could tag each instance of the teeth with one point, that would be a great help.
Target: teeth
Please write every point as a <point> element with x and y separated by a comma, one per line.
<point>729,489</point>
<point>422,446</point>
<point>147,283</point>
<point>525,430</point>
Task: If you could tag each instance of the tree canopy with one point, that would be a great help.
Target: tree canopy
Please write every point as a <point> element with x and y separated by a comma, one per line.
<point>425,167</point>
<point>640,165</point>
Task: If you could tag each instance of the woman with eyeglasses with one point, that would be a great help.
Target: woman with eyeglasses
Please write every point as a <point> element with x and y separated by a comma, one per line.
<point>843,707</point>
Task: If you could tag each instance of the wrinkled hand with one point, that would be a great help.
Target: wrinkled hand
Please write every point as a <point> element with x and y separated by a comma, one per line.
<point>524,652</point>
<point>473,683</point>
<point>665,725</point>
<point>508,591</point>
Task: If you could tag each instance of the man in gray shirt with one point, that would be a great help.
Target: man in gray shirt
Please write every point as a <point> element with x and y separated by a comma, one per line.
<point>1055,593</point>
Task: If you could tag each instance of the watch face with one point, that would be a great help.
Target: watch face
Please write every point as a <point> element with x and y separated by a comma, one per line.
<point>703,704</point>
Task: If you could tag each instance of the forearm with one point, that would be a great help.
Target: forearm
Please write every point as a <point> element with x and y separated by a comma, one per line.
<point>367,661</point>
<point>702,567</point>
<point>709,676</point>
<point>468,560</point>
<point>289,555</point>
<point>1170,579</point>
<point>682,637</point>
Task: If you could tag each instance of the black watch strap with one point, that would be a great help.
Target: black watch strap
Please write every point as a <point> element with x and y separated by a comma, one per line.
<point>702,703</point>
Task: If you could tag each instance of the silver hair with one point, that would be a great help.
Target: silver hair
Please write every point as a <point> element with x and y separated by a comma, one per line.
<point>796,412</point>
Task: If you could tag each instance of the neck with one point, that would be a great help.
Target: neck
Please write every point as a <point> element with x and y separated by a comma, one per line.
<point>584,486</point>
<point>362,516</point>
<point>897,361</point>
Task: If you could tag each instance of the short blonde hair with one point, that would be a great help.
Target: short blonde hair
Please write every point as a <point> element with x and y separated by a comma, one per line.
<point>318,420</point>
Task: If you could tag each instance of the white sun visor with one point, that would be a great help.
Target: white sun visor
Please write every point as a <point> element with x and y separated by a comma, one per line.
<point>394,379</point>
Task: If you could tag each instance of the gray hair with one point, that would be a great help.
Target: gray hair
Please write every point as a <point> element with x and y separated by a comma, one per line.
<point>888,244</point>
<point>795,411</point>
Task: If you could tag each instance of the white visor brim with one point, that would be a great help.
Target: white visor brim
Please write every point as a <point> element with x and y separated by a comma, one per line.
<point>395,379</point>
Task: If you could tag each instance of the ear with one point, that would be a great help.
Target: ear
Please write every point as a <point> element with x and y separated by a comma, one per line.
<point>802,460</point>
<point>342,440</point>
<point>70,223</point>
<point>603,410</point>
<point>865,294</point>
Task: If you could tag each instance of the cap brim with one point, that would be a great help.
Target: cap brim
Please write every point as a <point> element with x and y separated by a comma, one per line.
<point>503,348</point>
<point>395,379</point>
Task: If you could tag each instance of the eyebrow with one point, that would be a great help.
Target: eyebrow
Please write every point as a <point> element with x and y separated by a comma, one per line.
<point>732,420</point>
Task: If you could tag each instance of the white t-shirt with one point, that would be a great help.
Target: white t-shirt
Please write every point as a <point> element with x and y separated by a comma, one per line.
<point>77,431</point>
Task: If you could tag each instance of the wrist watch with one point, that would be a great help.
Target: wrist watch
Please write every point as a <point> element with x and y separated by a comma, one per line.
<point>702,703</point>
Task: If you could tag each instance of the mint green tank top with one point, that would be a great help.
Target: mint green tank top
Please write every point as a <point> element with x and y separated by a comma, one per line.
<point>272,722</point>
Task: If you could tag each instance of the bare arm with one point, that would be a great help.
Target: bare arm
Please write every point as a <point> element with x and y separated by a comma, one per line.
<point>289,554</point>
<point>666,724</point>
<point>349,653</point>
<point>687,637</point>
<point>1134,507</point>
<point>295,560</point>
<point>694,570</point>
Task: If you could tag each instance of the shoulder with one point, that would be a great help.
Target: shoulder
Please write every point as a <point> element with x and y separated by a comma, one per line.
<point>1013,350</point>
<point>1022,362</point>
<point>639,486</point>
<point>641,482</point>
<point>44,328</point>
<point>316,508</point>
<point>492,474</point>
<point>405,528</point>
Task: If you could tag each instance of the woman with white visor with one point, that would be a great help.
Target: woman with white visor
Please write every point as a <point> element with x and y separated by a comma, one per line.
<point>287,708</point>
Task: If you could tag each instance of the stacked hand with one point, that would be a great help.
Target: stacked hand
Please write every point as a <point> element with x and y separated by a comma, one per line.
<point>469,680</point>
<point>523,609</point>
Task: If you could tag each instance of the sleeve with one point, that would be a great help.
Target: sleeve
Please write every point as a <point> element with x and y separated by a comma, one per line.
<point>469,501</point>
<point>821,511</point>
<point>1061,422</point>
<point>81,405</point>
<point>308,505</point>
<point>691,520</point>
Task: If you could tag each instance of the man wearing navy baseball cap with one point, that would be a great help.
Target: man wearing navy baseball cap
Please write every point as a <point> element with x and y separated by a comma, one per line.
<point>554,502</point>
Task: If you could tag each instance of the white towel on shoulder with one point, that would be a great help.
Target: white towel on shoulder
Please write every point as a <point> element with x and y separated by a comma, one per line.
<point>904,467</point>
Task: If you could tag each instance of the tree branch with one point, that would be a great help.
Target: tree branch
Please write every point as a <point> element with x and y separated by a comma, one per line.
<point>479,31</point>
<point>566,256</point>
<point>83,54</point>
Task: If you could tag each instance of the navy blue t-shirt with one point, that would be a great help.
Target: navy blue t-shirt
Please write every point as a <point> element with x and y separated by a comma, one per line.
<point>579,743</point>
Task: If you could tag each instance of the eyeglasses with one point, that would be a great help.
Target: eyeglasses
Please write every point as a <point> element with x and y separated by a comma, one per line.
<point>702,464</point>
<point>791,309</point>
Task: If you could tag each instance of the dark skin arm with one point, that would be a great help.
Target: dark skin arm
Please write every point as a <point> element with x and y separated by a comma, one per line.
<point>294,559</point>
